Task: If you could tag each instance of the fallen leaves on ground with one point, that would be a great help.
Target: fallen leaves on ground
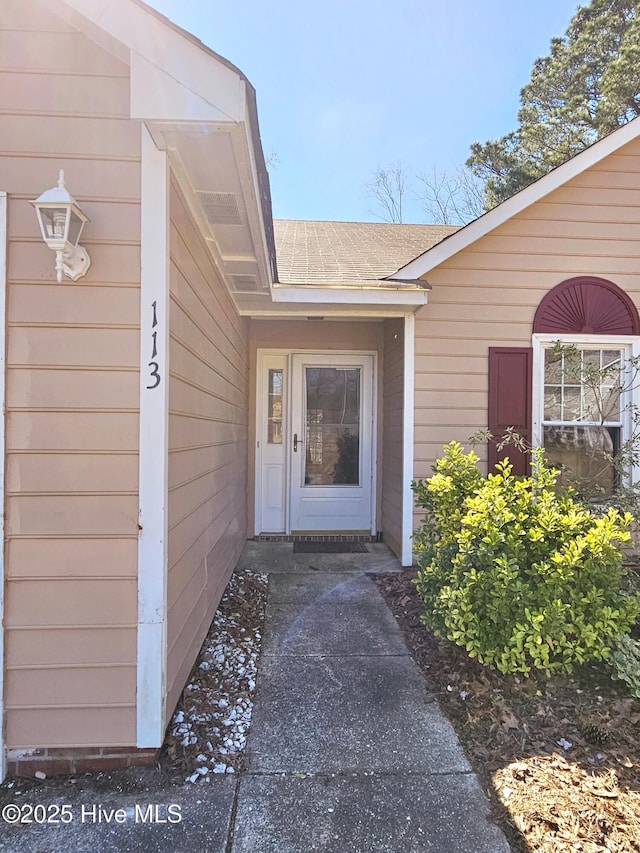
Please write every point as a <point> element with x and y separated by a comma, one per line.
<point>558,757</point>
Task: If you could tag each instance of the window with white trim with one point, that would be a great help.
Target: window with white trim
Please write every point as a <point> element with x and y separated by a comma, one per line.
<point>584,411</point>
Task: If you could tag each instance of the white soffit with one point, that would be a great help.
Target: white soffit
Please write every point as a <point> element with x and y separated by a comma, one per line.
<point>453,244</point>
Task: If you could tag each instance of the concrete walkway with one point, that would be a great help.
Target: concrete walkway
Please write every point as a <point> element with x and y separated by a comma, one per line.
<point>348,749</point>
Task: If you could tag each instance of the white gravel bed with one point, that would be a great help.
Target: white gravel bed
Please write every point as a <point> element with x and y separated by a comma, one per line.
<point>208,732</point>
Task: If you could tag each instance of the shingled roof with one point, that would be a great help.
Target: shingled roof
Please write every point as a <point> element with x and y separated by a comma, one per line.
<point>310,252</point>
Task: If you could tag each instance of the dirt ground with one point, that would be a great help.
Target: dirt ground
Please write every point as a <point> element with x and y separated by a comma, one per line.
<point>558,757</point>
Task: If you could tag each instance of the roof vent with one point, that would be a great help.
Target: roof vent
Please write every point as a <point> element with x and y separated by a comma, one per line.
<point>220,208</point>
<point>245,283</point>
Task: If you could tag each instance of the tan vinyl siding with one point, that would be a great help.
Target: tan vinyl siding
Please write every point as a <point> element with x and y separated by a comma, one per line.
<point>208,412</point>
<point>487,294</point>
<point>392,433</point>
<point>72,391</point>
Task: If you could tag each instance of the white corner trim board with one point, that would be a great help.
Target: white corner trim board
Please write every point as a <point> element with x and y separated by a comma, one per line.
<point>407,439</point>
<point>153,449</point>
<point>3,325</point>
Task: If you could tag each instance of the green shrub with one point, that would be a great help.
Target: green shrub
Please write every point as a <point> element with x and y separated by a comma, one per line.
<point>442,496</point>
<point>625,663</point>
<point>516,572</point>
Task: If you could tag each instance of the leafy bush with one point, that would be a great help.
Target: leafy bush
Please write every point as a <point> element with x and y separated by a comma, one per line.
<point>625,663</point>
<point>518,573</point>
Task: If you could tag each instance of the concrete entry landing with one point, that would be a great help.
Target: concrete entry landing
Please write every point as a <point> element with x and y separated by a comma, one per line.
<point>348,749</point>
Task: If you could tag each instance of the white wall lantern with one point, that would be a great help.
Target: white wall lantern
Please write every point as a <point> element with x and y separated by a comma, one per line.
<point>61,222</point>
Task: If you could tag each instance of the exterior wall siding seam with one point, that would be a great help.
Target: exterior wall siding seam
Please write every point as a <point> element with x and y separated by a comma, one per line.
<point>203,503</point>
<point>72,155</point>
<point>217,323</point>
<point>53,667</point>
<point>74,578</point>
<point>75,368</point>
<point>195,319</point>
<point>185,413</point>
<point>196,387</point>
<point>229,361</point>
<point>64,114</point>
<point>197,477</point>
<point>95,199</point>
<point>35,72</point>
<point>68,706</point>
<point>186,626</point>
<point>78,626</point>
<point>75,536</point>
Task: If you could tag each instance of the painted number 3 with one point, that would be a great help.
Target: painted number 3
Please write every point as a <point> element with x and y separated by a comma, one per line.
<point>154,368</point>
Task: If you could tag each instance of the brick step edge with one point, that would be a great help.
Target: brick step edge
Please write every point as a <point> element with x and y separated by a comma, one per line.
<point>67,761</point>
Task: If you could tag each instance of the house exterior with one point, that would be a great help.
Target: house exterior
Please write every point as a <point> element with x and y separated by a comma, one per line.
<point>216,376</point>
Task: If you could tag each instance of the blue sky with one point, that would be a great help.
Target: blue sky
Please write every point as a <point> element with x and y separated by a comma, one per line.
<point>346,86</point>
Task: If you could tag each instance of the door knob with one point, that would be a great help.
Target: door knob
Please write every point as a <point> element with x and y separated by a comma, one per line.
<point>295,442</point>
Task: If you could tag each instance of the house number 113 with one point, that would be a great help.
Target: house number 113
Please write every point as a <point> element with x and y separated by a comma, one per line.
<point>154,367</point>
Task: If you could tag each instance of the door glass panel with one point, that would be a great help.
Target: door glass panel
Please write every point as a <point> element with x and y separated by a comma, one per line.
<point>332,455</point>
<point>274,431</point>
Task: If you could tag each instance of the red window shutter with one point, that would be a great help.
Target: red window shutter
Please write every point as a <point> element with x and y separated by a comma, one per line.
<point>510,402</point>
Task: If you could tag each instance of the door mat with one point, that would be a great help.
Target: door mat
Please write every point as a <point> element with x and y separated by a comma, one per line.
<point>329,548</point>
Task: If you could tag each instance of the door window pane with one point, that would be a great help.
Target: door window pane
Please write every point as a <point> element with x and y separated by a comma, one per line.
<point>332,455</point>
<point>274,408</point>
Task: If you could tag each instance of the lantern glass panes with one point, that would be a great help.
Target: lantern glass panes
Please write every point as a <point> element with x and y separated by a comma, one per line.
<point>61,222</point>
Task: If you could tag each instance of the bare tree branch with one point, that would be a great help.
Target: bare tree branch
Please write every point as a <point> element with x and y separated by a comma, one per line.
<point>452,198</point>
<point>272,160</point>
<point>387,188</point>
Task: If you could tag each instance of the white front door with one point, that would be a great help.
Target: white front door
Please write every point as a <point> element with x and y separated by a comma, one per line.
<point>331,442</point>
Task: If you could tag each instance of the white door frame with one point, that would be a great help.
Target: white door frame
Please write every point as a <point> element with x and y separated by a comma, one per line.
<point>260,415</point>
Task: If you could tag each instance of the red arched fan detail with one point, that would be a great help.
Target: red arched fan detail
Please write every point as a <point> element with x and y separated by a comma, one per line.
<point>587,306</point>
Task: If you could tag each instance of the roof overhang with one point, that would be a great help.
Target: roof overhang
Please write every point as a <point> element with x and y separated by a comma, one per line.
<point>341,299</point>
<point>453,244</point>
<point>201,110</point>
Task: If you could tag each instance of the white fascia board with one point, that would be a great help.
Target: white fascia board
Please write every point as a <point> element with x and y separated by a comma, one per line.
<point>349,295</point>
<point>325,312</point>
<point>519,202</point>
<point>158,44</point>
<point>253,204</point>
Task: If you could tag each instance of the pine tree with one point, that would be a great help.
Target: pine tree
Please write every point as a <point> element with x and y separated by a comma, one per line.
<point>586,87</point>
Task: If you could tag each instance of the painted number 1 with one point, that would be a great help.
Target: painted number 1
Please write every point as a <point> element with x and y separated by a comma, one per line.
<point>154,367</point>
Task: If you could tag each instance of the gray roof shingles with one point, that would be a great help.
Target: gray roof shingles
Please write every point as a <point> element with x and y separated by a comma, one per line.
<point>313,252</point>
